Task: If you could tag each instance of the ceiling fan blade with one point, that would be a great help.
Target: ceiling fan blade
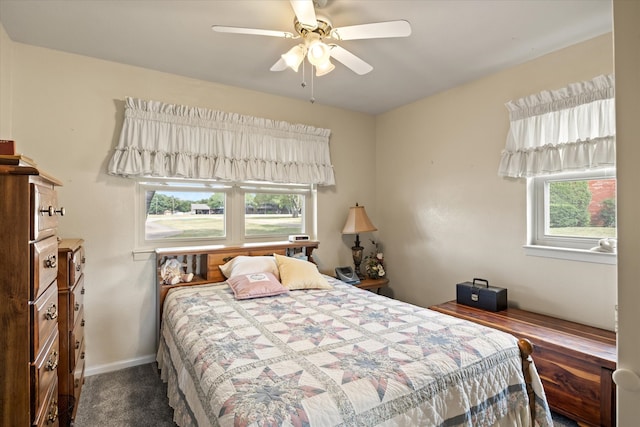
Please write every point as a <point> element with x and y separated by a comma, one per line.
<point>252,31</point>
<point>349,60</point>
<point>305,13</point>
<point>280,65</point>
<point>376,30</point>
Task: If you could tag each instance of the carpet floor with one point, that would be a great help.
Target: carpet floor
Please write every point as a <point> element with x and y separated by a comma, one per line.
<point>137,397</point>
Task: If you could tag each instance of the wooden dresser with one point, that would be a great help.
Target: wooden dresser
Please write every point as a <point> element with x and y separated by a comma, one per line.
<point>29,308</point>
<point>575,361</point>
<point>71,262</point>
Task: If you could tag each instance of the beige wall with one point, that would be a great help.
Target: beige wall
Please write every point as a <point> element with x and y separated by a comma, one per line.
<point>67,117</point>
<point>627,67</point>
<point>6,57</point>
<point>445,216</point>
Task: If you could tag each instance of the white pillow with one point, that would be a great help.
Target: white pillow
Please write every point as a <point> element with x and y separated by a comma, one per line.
<point>243,264</point>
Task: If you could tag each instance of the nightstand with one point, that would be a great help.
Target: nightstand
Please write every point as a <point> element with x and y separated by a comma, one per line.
<point>372,284</point>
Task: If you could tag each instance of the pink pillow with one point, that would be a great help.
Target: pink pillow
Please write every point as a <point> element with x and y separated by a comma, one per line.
<point>255,285</point>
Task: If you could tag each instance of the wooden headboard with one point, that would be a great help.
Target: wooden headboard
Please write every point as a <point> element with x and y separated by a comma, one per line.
<point>203,261</point>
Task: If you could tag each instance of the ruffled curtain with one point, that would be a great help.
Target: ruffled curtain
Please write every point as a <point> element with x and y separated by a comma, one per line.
<point>167,140</point>
<point>563,130</point>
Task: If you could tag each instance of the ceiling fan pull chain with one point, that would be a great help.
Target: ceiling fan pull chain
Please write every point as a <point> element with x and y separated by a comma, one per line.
<point>312,100</point>
<point>304,83</point>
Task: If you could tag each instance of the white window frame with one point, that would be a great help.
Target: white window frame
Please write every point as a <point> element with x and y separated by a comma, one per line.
<point>257,187</point>
<point>234,210</point>
<point>561,247</point>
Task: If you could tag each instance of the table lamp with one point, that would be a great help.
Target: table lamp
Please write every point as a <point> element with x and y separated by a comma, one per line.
<point>357,222</point>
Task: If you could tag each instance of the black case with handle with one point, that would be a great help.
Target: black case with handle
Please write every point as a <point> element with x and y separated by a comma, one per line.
<point>480,295</point>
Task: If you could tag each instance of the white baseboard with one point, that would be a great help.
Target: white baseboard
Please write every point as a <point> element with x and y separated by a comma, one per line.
<point>121,364</point>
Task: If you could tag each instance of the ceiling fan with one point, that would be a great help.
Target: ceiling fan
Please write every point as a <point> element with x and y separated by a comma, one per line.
<point>314,30</point>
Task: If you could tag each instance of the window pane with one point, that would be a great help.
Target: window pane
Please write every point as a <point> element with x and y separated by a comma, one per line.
<point>581,208</point>
<point>184,215</point>
<point>268,214</point>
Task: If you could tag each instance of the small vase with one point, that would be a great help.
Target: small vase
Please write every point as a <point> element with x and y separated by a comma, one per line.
<point>373,273</point>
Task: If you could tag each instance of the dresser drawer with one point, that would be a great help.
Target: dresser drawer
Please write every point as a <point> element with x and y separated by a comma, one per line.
<point>44,256</point>
<point>76,265</point>
<point>45,211</point>
<point>77,337</point>
<point>47,414</point>
<point>78,375</point>
<point>44,319</point>
<point>44,371</point>
<point>77,301</point>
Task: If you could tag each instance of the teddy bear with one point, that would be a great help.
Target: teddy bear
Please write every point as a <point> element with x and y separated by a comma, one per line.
<point>172,274</point>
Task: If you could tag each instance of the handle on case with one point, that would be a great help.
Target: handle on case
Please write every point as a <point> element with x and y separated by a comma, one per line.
<point>475,279</point>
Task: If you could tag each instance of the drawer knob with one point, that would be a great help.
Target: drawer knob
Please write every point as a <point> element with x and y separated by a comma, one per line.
<point>52,362</point>
<point>78,267</point>
<point>77,344</point>
<point>82,291</point>
<point>82,323</point>
<point>50,210</point>
<point>76,307</point>
<point>52,312</point>
<point>82,355</point>
<point>51,261</point>
<point>53,412</point>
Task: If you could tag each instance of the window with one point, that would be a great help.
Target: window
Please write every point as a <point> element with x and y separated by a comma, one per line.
<point>268,214</point>
<point>572,210</point>
<point>178,212</point>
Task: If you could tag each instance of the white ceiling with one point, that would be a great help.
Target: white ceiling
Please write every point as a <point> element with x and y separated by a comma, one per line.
<point>452,41</point>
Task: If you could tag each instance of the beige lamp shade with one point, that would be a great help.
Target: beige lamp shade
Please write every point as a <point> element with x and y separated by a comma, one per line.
<point>358,221</point>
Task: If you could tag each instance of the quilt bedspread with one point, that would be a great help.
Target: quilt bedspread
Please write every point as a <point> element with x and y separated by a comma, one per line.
<point>336,357</point>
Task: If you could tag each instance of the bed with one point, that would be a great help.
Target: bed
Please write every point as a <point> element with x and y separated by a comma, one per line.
<point>325,353</point>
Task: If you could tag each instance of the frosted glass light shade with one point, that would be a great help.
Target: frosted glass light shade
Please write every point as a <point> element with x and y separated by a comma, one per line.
<point>324,68</point>
<point>294,57</point>
<point>318,52</point>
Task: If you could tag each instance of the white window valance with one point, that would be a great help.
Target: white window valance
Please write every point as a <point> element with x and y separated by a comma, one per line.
<point>569,129</point>
<point>166,140</point>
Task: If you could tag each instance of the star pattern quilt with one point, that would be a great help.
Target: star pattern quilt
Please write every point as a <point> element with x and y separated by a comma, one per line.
<point>338,357</point>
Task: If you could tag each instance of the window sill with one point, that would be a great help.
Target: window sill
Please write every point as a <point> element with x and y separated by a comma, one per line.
<point>582,255</point>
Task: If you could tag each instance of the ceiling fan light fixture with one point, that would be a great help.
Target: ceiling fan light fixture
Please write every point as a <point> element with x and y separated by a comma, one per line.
<point>324,68</point>
<point>294,57</point>
<point>318,53</point>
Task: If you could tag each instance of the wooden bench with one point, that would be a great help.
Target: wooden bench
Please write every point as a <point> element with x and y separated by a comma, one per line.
<point>575,361</point>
